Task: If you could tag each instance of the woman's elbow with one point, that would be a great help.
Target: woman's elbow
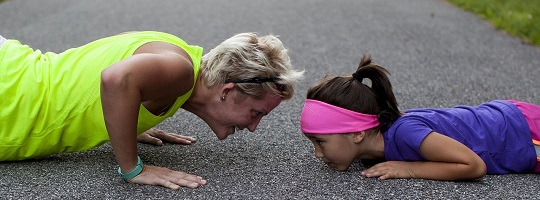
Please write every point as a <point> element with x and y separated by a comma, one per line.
<point>110,79</point>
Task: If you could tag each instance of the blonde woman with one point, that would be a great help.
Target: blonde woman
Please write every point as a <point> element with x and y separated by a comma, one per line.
<point>117,88</point>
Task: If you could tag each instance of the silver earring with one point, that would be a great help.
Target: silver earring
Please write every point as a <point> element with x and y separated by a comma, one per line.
<point>223,98</point>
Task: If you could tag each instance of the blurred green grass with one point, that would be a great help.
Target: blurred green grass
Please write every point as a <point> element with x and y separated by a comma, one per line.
<point>520,18</point>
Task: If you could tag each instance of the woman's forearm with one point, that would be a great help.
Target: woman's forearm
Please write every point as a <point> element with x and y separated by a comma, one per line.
<point>121,100</point>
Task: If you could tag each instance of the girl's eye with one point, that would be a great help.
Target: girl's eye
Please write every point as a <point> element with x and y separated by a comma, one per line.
<point>320,142</point>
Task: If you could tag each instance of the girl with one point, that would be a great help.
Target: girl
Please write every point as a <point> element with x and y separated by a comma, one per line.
<point>348,120</point>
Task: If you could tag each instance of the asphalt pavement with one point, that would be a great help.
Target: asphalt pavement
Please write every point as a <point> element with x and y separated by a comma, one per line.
<point>438,56</point>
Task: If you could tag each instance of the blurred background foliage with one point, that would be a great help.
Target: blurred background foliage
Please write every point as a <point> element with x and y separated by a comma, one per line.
<point>520,18</point>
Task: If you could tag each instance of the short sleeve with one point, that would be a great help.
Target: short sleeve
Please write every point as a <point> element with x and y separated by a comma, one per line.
<point>403,139</point>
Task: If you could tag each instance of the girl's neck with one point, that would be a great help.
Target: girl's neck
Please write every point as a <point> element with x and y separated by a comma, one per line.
<point>373,147</point>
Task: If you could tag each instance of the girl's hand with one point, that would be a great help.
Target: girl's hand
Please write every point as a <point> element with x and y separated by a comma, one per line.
<point>446,159</point>
<point>158,137</point>
<point>389,169</point>
<point>154,175</point>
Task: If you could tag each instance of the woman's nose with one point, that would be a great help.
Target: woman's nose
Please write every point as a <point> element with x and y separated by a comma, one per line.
<point>251,127</point>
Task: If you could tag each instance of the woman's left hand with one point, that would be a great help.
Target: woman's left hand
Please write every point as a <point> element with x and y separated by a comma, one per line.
<point>158,137</point>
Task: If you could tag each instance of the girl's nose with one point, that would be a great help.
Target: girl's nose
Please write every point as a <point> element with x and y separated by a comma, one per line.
<point>318,153</point>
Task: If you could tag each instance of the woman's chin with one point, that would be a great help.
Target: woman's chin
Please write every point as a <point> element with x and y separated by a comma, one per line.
<point>225,134</point>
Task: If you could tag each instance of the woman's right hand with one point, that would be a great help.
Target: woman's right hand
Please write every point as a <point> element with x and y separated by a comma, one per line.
<point>154,175</point>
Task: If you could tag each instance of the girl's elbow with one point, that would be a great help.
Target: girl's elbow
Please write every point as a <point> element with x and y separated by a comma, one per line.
<point>478,170</point>
<point>472,170</point>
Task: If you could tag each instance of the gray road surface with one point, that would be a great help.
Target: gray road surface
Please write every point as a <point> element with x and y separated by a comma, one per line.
<point>438,56</point>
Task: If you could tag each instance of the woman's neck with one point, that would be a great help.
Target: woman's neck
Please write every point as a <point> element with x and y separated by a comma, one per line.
<point>199,100</point>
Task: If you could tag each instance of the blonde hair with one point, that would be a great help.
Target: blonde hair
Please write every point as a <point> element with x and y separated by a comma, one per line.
<point>247,55</point>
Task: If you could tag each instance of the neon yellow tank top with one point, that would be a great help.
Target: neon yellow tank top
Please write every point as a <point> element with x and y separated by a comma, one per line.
<point>51,102</point>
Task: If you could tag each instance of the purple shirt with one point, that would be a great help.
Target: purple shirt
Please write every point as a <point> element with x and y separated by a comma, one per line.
<point>497,131</point>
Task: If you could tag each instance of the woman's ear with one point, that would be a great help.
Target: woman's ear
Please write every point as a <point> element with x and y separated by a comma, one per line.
<point>227,87</point>
<point>357,137</point>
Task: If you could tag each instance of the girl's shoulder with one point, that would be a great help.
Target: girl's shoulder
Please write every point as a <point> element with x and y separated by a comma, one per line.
<point>402,140</point>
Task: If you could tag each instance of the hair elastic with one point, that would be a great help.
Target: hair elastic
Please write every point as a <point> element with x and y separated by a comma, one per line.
<point>322,118</point>
<point>357,76</point>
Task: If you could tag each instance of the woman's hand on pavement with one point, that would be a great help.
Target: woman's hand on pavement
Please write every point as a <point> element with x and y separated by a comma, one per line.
<point>154,175</point>
<point>158,137</point>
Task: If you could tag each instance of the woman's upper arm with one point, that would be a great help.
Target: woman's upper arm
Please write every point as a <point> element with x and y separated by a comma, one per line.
<point>156,75</point>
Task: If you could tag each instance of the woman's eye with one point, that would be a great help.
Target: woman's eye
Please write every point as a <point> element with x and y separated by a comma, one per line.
<point>320,142</point>
<point>257,113</point>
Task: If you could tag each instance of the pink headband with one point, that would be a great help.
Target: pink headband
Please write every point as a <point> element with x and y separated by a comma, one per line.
<point>322,118</point>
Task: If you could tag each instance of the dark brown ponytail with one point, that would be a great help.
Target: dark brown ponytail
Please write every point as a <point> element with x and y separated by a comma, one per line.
<point>351,93</point>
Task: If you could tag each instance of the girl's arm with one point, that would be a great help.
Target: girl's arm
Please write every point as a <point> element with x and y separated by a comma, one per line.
<point>124,86</point>
<point>447,159</point>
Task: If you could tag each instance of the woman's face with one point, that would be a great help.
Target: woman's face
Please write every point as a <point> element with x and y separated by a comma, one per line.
<point>336,150</point>
<point>238,114</point>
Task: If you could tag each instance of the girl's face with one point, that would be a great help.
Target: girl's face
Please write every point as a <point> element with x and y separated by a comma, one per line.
<point>336,150</point>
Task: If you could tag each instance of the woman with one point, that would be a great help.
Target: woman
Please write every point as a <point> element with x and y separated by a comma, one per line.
<point>117,88</point>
